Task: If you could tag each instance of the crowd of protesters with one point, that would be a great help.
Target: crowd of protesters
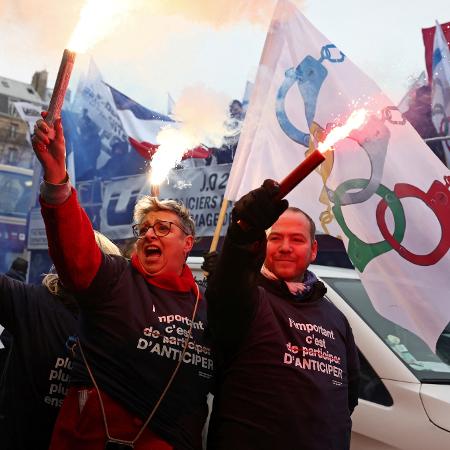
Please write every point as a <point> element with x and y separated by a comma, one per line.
<point>122,353</point>
<point>35,376</point>
<point>111,352</point>
<point>125,352</point>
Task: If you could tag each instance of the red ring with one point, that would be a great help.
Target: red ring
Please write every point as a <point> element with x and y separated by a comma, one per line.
<point>438,200</point>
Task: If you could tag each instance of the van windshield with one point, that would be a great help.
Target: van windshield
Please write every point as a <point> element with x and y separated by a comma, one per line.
<point>15,194</point>
<point>412,350</point>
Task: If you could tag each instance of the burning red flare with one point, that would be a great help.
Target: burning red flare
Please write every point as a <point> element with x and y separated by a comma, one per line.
<point>59,91</point>
<point>356,119</point>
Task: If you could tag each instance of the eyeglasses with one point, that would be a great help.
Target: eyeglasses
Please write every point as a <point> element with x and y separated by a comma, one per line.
<point>161,228</point>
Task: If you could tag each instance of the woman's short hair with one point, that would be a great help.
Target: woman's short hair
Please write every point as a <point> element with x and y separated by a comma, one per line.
<point>149,204</point>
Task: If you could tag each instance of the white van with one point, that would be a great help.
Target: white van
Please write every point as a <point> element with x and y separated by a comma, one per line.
<point>405,388</point>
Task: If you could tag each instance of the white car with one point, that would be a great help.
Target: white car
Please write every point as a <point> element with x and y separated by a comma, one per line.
<point>404,399</point>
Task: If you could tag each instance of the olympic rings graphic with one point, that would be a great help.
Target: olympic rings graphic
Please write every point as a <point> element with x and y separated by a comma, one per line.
<point>373,137</point>
<point>438,200</point>
<point>360,252</point>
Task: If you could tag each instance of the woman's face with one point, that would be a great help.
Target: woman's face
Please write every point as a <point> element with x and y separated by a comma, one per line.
<point>163,254</point>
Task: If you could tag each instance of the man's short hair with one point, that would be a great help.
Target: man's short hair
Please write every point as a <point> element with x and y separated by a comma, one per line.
<point>149,204</point>
<point>312,225</point>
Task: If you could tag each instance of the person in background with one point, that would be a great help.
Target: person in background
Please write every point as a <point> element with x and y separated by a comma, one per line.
<point>419,116</point>
<point>87,147</point>
<point>40,319</point>
<point>18,269</point>
<point>146,362</point>
<point>233,125</point>
<point>289,370</point>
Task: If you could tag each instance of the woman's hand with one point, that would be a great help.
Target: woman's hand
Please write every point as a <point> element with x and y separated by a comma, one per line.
<point>50,148</point>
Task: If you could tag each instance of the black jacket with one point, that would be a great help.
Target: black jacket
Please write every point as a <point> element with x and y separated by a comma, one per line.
<point>289,368</point>
<point>38,374</point>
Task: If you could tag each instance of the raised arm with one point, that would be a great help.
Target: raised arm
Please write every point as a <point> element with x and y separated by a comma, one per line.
<point>232,290</point>
<point>70,236</point>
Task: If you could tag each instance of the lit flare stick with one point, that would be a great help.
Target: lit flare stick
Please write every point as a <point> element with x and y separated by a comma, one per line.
<point>300,173</point>
<point>355,120</point>
<point>293,179</point>
<point>59,91</point>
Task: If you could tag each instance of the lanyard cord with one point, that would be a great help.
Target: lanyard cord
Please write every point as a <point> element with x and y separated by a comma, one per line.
<point>168,384</point>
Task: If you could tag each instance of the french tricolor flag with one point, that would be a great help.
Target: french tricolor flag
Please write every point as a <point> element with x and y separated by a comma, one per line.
<point>142,126</point>
<point>139,123</point>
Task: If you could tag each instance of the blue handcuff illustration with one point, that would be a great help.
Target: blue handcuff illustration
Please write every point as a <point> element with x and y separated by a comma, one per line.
<point>309,76</point>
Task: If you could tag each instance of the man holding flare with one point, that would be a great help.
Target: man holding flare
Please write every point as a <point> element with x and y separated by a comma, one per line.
<point>288,373</point>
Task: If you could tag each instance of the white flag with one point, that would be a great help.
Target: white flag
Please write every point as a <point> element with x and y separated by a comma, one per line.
<point>382,190</point>
<point>94,98</point>
<point>441,88</point>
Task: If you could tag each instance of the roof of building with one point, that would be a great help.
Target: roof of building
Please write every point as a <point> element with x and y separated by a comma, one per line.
<point>19,90</point>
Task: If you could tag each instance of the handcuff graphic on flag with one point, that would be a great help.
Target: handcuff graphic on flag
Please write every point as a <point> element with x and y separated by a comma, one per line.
<point>309,75</point>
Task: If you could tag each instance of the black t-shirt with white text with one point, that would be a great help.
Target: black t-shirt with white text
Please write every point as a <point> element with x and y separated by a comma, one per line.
<point>287,384</point>
<point>146,326</point>
<point>39,367</point>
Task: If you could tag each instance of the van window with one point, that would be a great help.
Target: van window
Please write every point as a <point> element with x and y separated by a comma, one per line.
<point>371,387</point>
<point>15,195</point>
<point>412,350</point>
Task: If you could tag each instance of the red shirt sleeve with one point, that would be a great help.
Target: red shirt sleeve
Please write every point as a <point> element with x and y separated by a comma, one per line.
<point>71,242</point>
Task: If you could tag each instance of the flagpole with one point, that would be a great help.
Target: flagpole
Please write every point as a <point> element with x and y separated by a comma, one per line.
<point>438,138</point>
<point>220,220</point>
<point>154,190</point>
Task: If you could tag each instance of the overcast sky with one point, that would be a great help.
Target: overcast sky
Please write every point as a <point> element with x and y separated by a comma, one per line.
<point>167,45</point>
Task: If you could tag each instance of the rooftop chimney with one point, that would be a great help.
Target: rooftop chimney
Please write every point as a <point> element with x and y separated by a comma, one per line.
<point>39,82</point>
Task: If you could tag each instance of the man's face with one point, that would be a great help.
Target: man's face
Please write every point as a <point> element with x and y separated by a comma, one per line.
<point>235,110</point>
<point>166,254</point>
<point>289,248</point>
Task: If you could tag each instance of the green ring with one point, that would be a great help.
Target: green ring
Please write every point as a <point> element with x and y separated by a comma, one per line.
<point>360,252</point>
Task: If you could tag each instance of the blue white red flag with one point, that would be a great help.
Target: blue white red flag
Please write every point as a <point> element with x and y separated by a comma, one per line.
<point>139,123</point>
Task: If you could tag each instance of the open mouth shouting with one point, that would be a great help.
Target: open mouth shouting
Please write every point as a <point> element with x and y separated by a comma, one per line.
<point>152,252</point>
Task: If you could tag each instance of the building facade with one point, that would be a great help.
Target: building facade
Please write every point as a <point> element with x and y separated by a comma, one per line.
<point>15,146</point>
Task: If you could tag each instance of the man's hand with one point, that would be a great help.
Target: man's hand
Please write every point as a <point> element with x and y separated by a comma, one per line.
<point>51,152</point>
<point>210,262</point>
<point>260,209</point>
